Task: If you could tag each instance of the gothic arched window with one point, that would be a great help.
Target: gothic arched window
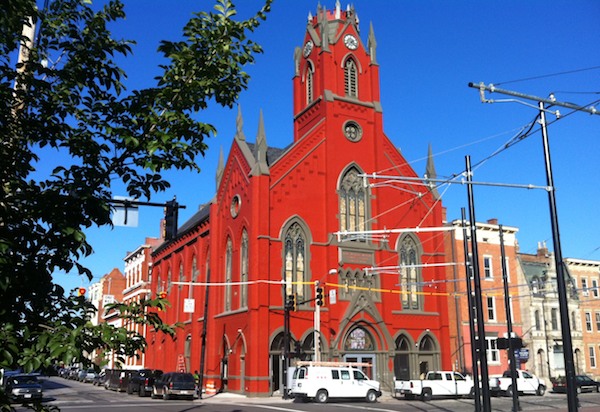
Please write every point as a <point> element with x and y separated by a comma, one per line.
<point>410,273</point>
<point>244,270</point>
<point>353,204</point>
<point>295,261</point>
<point>359,339</point>
<point>228,258</point>
<point>309,83</point>
<point>350,78</point>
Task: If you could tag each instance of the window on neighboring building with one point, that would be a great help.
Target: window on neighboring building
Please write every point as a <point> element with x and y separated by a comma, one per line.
<point>595,288</point>
<point>350,78</point>
<point>228,261</point>
<point>353,204</point>
<point>492,351</point>
<point>584,287</point>
<point>295,263</point>
<point>410,273</point>
<point>574,320</point>
<point>588,321</point>
<point>597,314</point>
<point>506,263</point>
<point>592,352</point>
<point>491,308</point>
<point>309,83</point>
<point>487,267</point>
<point>537,320</point>
<point>244,269</point>
<point>554,318</point>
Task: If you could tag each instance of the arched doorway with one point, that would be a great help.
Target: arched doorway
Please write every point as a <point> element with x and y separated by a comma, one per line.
<point>359,346</point>
<point>276,359</point>
<point>428,355</point>
<point>402,358</point>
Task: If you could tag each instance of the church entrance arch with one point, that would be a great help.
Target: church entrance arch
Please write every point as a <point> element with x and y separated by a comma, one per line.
<point>359,347</point>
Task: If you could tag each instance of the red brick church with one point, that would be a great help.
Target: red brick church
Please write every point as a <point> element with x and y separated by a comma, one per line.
<point>285,218</point>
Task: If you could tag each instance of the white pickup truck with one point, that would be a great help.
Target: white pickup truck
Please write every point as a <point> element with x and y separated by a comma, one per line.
<point>436,383</point>
<point>526,383</point>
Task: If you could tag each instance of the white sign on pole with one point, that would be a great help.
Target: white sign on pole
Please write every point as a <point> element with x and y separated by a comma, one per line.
<point>332,296</point>
<point>125,216</point>
<point>189,305</point>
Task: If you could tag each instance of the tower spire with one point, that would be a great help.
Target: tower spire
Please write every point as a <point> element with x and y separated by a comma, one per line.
<point>261,167</point>
<point>220,169</point>
<point>372,44</point>
<point>239,125</point>
<point>430,173</point>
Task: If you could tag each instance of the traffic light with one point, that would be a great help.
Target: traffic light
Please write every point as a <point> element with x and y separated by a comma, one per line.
<point>292,303</point>
<point>171,214</point>
<point>319,296</point>
<point>80,291</point>
<point>162,294</point>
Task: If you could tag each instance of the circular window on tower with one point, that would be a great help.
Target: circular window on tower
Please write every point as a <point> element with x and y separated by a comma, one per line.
<point>352,131</point>
<point>236,204</point>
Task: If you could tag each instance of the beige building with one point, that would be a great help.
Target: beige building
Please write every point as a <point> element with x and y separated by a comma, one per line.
<point>541,314</point>
<point>586,277</point>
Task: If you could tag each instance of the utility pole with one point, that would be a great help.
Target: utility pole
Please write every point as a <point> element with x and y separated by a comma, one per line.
<point>472,312</point>
<point>511,345</point>
<point>572,402</point>
<point>485,381</point>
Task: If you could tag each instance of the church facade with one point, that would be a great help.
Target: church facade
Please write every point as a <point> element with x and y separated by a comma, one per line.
<point>285,221</point>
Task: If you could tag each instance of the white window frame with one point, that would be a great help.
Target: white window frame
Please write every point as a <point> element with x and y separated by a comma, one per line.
<point>491,350</point>
<point>592,355</point>
<point>595,288</point>
<point>491,309</point>
<point>588,322</point>
<point>584,287</point>
<point>488,267</point>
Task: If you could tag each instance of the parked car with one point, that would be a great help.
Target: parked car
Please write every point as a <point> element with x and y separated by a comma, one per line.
<point>117,380</point>
<point>141,381</point>
<point>175,384</point>
<point>23,388</point>
<point>87,375</point>
<point>100,378</point>
<point>583,382</point>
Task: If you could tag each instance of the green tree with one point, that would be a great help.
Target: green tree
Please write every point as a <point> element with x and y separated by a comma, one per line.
<point>67,94</point>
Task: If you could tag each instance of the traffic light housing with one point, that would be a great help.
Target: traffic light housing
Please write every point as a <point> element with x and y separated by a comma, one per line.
<point>171,215</point>
<point>292,302</point>
<point>319,296</point>
<point>80,291</point>
<point>162,294</point>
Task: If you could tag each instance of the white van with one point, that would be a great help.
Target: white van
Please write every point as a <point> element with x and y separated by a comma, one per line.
<point>323,380</point>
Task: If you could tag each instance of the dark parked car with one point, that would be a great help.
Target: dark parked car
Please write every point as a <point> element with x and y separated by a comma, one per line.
<point>175,384</point>
<point>23,388</point>
<point>584,384</point>
<point>141,381</point>
<point>100,378</point>
<point>117,379</point>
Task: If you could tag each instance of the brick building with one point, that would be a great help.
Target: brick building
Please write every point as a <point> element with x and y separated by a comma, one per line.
<point>269,233</point>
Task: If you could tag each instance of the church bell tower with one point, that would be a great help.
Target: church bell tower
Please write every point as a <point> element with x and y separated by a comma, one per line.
<point>334,69</point>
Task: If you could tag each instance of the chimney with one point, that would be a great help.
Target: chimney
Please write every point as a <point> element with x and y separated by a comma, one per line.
<point>493,221</point>
<point>542,250</point>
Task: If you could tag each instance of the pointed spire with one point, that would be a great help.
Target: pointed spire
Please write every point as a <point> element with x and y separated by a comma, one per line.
<point>310,17</point>
<point>220,169</point>
<point>372,44</point>
<point>261,166</point>
<point>430,173</point>
<point>338,10</point>
<point>239,125</point>
<point>324,31</point>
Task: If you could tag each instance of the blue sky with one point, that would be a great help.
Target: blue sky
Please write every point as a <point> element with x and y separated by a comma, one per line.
<point>428,52</point>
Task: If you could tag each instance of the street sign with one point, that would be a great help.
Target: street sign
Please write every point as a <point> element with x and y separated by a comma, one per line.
<point>189,305</point>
